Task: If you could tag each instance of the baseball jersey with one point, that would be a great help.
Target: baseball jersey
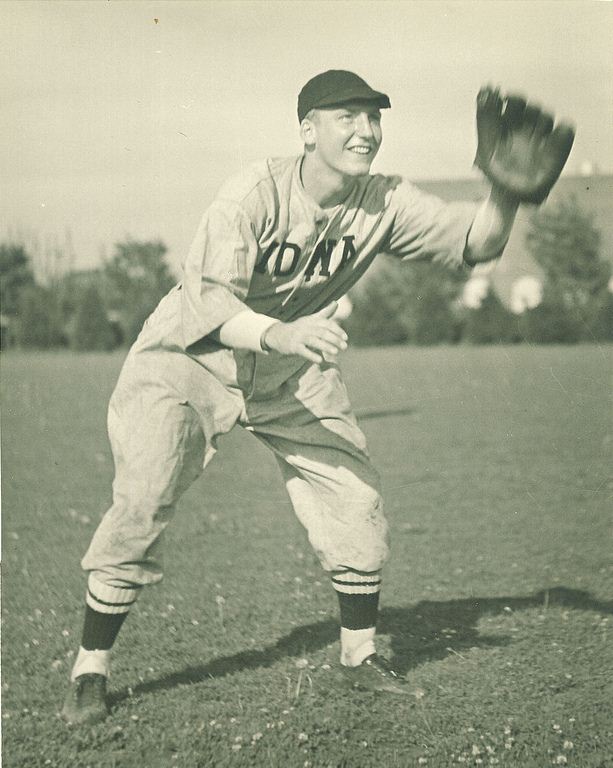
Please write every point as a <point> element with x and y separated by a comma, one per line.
<point>265,244</point>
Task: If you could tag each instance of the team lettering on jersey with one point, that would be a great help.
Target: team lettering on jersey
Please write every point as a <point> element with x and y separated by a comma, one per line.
<point>282,259</point>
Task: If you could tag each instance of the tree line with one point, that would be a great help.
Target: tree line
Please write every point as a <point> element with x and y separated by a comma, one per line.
<point>83,310</point>
<point>395,303</point>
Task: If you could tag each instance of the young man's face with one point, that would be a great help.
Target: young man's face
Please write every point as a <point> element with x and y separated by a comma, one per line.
<point>345,138</point>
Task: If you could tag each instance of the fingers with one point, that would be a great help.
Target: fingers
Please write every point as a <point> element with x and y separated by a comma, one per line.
<point>563,135</point>
<point>544,125</point>
<point>317,349</point>
<point>315,337</point>
<point>514,110</point>
<point>332,339</point>
<point>330,330</point>
<point>488,100</point>
<point>328,339</point>
<point>308,354</point>
<point>532,117</point>
<point>317,325</point>
<point>333,334</point>
<point>560,144</point>
<point>331,345</point>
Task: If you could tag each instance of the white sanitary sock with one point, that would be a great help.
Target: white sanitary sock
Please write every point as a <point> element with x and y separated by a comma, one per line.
<point>91,662</point>
<point>356,645</point>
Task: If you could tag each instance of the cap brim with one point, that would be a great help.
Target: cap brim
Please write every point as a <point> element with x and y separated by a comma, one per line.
<point>356,94</point>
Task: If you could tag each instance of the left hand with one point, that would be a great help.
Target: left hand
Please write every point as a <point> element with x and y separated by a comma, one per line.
<point>519,149</point>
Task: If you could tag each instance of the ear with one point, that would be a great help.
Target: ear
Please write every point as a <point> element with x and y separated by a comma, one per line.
<point>308,132</point>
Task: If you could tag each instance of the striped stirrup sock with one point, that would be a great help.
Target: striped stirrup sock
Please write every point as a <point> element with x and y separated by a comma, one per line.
<point>106,609</point>
<point>358,597</point>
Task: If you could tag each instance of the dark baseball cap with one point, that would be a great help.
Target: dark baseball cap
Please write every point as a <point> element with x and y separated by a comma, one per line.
<point>337,86</point>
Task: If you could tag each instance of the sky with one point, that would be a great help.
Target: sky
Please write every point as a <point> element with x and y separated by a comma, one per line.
<point>122,118</point>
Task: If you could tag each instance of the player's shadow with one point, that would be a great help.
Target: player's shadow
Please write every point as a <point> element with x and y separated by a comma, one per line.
<point>428,631</point>
<point>363,414</point>
<point>433,630</point>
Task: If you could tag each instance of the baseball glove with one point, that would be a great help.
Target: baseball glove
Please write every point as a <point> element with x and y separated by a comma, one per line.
<point>518,148</point>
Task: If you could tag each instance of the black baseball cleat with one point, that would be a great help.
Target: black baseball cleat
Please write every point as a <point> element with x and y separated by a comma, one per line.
<point>86,700</point>
<point>375,674</point>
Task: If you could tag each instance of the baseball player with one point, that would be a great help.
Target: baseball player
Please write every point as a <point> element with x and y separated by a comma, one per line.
<point>249,337</point>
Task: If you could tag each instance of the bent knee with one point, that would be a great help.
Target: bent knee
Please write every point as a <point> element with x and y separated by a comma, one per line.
<point>357,538</point>
<point>369,538</point>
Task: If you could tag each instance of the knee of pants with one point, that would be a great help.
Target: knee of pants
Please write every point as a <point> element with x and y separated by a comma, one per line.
<point>364,538</point>
<point>127,546</point>
<point>349,531</point>
<point>153,467</point>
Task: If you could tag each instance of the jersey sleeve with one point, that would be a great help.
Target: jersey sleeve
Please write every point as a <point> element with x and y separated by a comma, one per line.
<point>424,227</point>
<point>218,270</point>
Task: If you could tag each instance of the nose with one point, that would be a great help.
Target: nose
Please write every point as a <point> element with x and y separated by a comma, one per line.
<point>363,126</point>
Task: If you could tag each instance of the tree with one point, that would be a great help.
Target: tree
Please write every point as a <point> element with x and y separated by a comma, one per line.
<point>91,327</point>
<point>15,275</point>
<point>565,243</point>
<point>398,302</point>
<point>550,323</point>
<point>431,313</point>
<point>135,279</point>
<point>490,323</point>
<point>603,325</point>
<point>39,322</point>
<point>378,301</point>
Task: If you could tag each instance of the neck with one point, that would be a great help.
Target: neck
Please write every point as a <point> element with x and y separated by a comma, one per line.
<point>326,186</point>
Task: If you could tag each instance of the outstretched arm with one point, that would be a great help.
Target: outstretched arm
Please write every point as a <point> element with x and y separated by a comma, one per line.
<point>522,152</point>
<point>491,227</point>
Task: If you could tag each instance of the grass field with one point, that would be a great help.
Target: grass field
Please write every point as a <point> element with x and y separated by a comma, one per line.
<point>496,464</point>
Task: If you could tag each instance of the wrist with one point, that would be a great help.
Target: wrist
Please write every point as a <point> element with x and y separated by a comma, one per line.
<point>244,330</point>
<point>264,343</point>
<point>504,199</point>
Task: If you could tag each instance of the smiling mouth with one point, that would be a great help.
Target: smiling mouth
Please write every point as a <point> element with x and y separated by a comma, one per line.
<point>361,150</point>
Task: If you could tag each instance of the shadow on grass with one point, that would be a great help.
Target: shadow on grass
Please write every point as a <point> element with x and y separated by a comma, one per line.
<point>433,630</point>
<point>427,631</point>
<point>379,413</point>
